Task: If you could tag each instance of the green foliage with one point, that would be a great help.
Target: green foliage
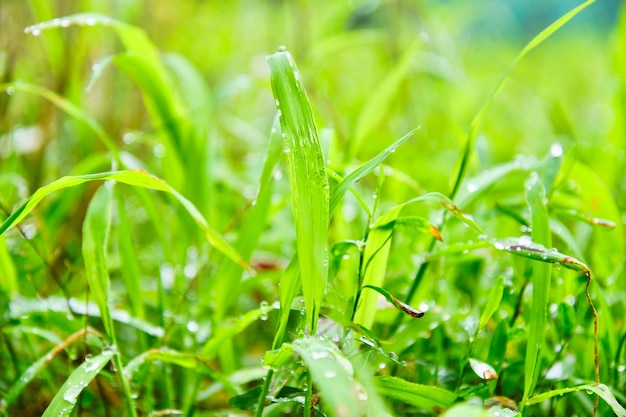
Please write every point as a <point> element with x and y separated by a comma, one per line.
<point>184,229</point>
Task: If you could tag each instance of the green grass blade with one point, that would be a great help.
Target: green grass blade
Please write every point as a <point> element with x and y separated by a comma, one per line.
<point>424,397</point>
<point>307,175</point>
<point>477,123</point>
<point>66,397</point>
<point>8,274</point>
<point>135,178</point>
<point>493,302</point>
<point>601,390</point>
<point>332,373</point>
<point>341,189</point>
<point>542,273</point>
<point>182,359</point>
<point>94,250</point>
<point>129,261</point>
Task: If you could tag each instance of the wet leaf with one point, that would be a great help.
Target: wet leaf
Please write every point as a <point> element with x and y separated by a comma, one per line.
<point>405,308</point>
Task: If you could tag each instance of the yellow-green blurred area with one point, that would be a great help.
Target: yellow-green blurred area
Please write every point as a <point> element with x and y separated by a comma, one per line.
<point>446,57</point>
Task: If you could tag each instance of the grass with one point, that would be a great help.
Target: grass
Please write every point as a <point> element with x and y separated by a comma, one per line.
<point>386,218</point>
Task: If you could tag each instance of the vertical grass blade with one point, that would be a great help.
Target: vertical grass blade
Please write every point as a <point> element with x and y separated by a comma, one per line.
<point>307,176</point>
<point>536,196</point>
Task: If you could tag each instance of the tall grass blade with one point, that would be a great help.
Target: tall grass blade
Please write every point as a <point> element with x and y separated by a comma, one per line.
<point>601,390</point>
<point>477,123</point>
<point>66,397</point>
<point>307,176</point>
<point>94,250</point>
<point>542,273</point>
<point>8,274</point>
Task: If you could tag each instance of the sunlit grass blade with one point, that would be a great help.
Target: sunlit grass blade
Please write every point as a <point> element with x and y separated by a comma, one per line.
<point>182,359</point>
<point>307,176</point>
<point>339,191</point>
<point>405,308</point>
<point>477,123</point>
<point>332,373</point>
<point>493,302</point>
<point>136,178</point>
<point>66,397</point>
<point>423,397</point>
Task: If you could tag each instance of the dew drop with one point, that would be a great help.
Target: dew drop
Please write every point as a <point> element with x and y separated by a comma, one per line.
<point>10,90</point>
<point>282,48</point>
<point>556,150</point>
<point>91,21</point>
<point>330,374</point>
<point>471,187</point>
<point>65,22</point>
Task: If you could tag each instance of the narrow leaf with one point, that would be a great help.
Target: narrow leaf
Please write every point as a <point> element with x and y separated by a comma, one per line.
<point>601,390</point>
<point>493,302</point>
<point>405,308</point>
<point>66,397</point>
<point>309,184</point>
<point>424,397</point>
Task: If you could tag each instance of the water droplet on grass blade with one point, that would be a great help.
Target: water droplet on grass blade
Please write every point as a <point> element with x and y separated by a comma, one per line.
<point>10,91</point>
<point>471,187</point>
<point>282,48</point>
<point>330,373</point>
<point>556,150</point>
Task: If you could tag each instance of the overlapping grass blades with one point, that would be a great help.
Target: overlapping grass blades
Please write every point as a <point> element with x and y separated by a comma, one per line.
<point>307,176</point>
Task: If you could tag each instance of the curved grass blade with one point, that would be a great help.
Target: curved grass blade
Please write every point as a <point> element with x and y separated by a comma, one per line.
<point>477,123</point>
<point>341,189</point>
<point>332,372</point>
<point>135,178</point>
<point>8,274</point>
<point>493,302</point>
<point>525,247</point>
<point>424,397</point>
<point>307,176</point>
<point>65,399</point>
<point>601,390</point>
<point>405,308</point>
<point>94,249</point>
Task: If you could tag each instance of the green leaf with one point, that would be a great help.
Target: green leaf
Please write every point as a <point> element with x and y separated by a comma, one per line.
<point>183,359</point>
<point>601,390</point>
<point>94,251</point>
<point>536,196</point>
<point>66,397</point>
<point>493,302</point>
<point>136,178</point>
<point>332,373</point>
<point>277,358</point>
<point>405,308</point>
<point>8,275</point>
<point>307,176</point>
<point>341,189</point>
<point>477,123</point>
<point>424,397</point>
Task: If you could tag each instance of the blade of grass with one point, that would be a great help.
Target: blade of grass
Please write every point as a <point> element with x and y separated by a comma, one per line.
<point>135,178</point>
<point>94,250</point>
<point>307,176</point>
<point>601,390</point>
<point>66,397</point>
<point>341,189</point>
<point>421,396</point>
<point>477,123</point>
